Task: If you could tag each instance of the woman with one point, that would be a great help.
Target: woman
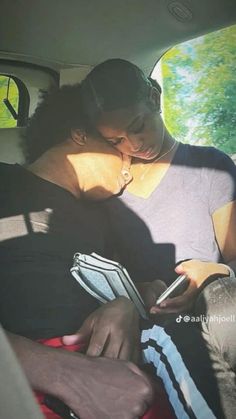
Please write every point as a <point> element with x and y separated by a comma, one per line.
<point>185,195</point>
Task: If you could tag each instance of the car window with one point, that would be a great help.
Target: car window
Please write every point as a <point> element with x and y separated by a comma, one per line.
<point>14,102</point>
<point>9,102</point>
<point>198,80</point>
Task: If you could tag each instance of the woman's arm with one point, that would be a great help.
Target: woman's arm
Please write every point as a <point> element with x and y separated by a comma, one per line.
<point>224,221</point>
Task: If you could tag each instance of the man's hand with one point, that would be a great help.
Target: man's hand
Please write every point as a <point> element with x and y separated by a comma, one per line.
<point>197,272</point>
<point>102,388</point>
<point>111,331</point>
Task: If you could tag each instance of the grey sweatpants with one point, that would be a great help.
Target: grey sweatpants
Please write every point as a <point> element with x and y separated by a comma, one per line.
<point>194,354</point>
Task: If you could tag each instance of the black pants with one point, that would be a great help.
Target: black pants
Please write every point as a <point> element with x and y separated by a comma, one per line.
<point>195,354</point>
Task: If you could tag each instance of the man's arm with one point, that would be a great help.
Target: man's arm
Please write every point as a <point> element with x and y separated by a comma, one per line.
<point>16,398</point>
<point>40,363</point>
<point>81,381</point>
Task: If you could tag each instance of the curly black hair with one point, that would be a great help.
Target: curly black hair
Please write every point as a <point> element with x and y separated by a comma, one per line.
<point>58,112</point>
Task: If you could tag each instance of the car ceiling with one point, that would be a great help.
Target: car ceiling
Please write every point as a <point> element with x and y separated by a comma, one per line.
<point>61,33</point>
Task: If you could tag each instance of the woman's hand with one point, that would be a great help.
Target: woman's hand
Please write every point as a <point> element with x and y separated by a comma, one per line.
<point>111,331</point>
<point>197,272</point>
<point>150,291</point>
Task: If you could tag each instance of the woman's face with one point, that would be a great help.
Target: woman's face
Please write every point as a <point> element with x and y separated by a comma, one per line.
<point>137,130</point>
<point>105,170</point>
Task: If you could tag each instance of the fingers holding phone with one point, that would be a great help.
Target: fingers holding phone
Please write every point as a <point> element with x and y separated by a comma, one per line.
<point>180,295</point>
<point>177,297</point>
<point>193,273</point>
<point>177,304</point>
<point>150,291</point>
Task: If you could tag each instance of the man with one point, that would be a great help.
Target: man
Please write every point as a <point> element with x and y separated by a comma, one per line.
<point>44,221</point>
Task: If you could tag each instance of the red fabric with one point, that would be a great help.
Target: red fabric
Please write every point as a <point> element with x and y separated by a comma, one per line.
<point>160,409</point>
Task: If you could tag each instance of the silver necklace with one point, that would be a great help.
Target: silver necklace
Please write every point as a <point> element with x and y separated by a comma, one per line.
<point>149,166</point>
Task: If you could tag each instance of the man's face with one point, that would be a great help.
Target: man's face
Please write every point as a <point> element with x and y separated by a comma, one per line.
<point>136,130</point>
<point>106,170</point>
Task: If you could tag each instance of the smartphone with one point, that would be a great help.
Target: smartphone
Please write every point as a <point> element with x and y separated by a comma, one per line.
<point>175,289</point>
<point>58,407</point>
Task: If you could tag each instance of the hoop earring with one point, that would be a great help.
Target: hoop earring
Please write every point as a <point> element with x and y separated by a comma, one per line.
<point>78,137</point>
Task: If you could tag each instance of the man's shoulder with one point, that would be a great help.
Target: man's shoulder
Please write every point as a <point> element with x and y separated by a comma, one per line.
<point>7,173</point>
<point>6,168</point>
<point>10,175</point>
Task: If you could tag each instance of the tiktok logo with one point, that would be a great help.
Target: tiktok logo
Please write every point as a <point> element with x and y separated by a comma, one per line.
<point>179,318</point>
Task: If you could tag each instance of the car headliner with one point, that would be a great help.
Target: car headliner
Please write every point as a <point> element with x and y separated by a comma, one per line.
<point>61,33</point>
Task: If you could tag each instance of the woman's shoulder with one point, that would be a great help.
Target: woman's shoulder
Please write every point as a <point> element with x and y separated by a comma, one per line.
<point>206,156</point>
<point>214,171</point>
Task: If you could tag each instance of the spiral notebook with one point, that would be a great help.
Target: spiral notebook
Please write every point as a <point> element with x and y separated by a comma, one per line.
<point>105,279</point>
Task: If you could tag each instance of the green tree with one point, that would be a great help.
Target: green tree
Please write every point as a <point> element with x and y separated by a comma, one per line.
<point>199,86</point>
<point>6,119</point>
<point>173,87</point>
<point>216,88</point>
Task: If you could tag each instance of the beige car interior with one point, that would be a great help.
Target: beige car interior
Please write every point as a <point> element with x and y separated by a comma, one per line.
<point>44,43</point>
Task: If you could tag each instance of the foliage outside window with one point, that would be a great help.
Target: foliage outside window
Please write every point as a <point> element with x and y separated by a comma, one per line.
<point>8,90</point>
<point>198,78</point>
